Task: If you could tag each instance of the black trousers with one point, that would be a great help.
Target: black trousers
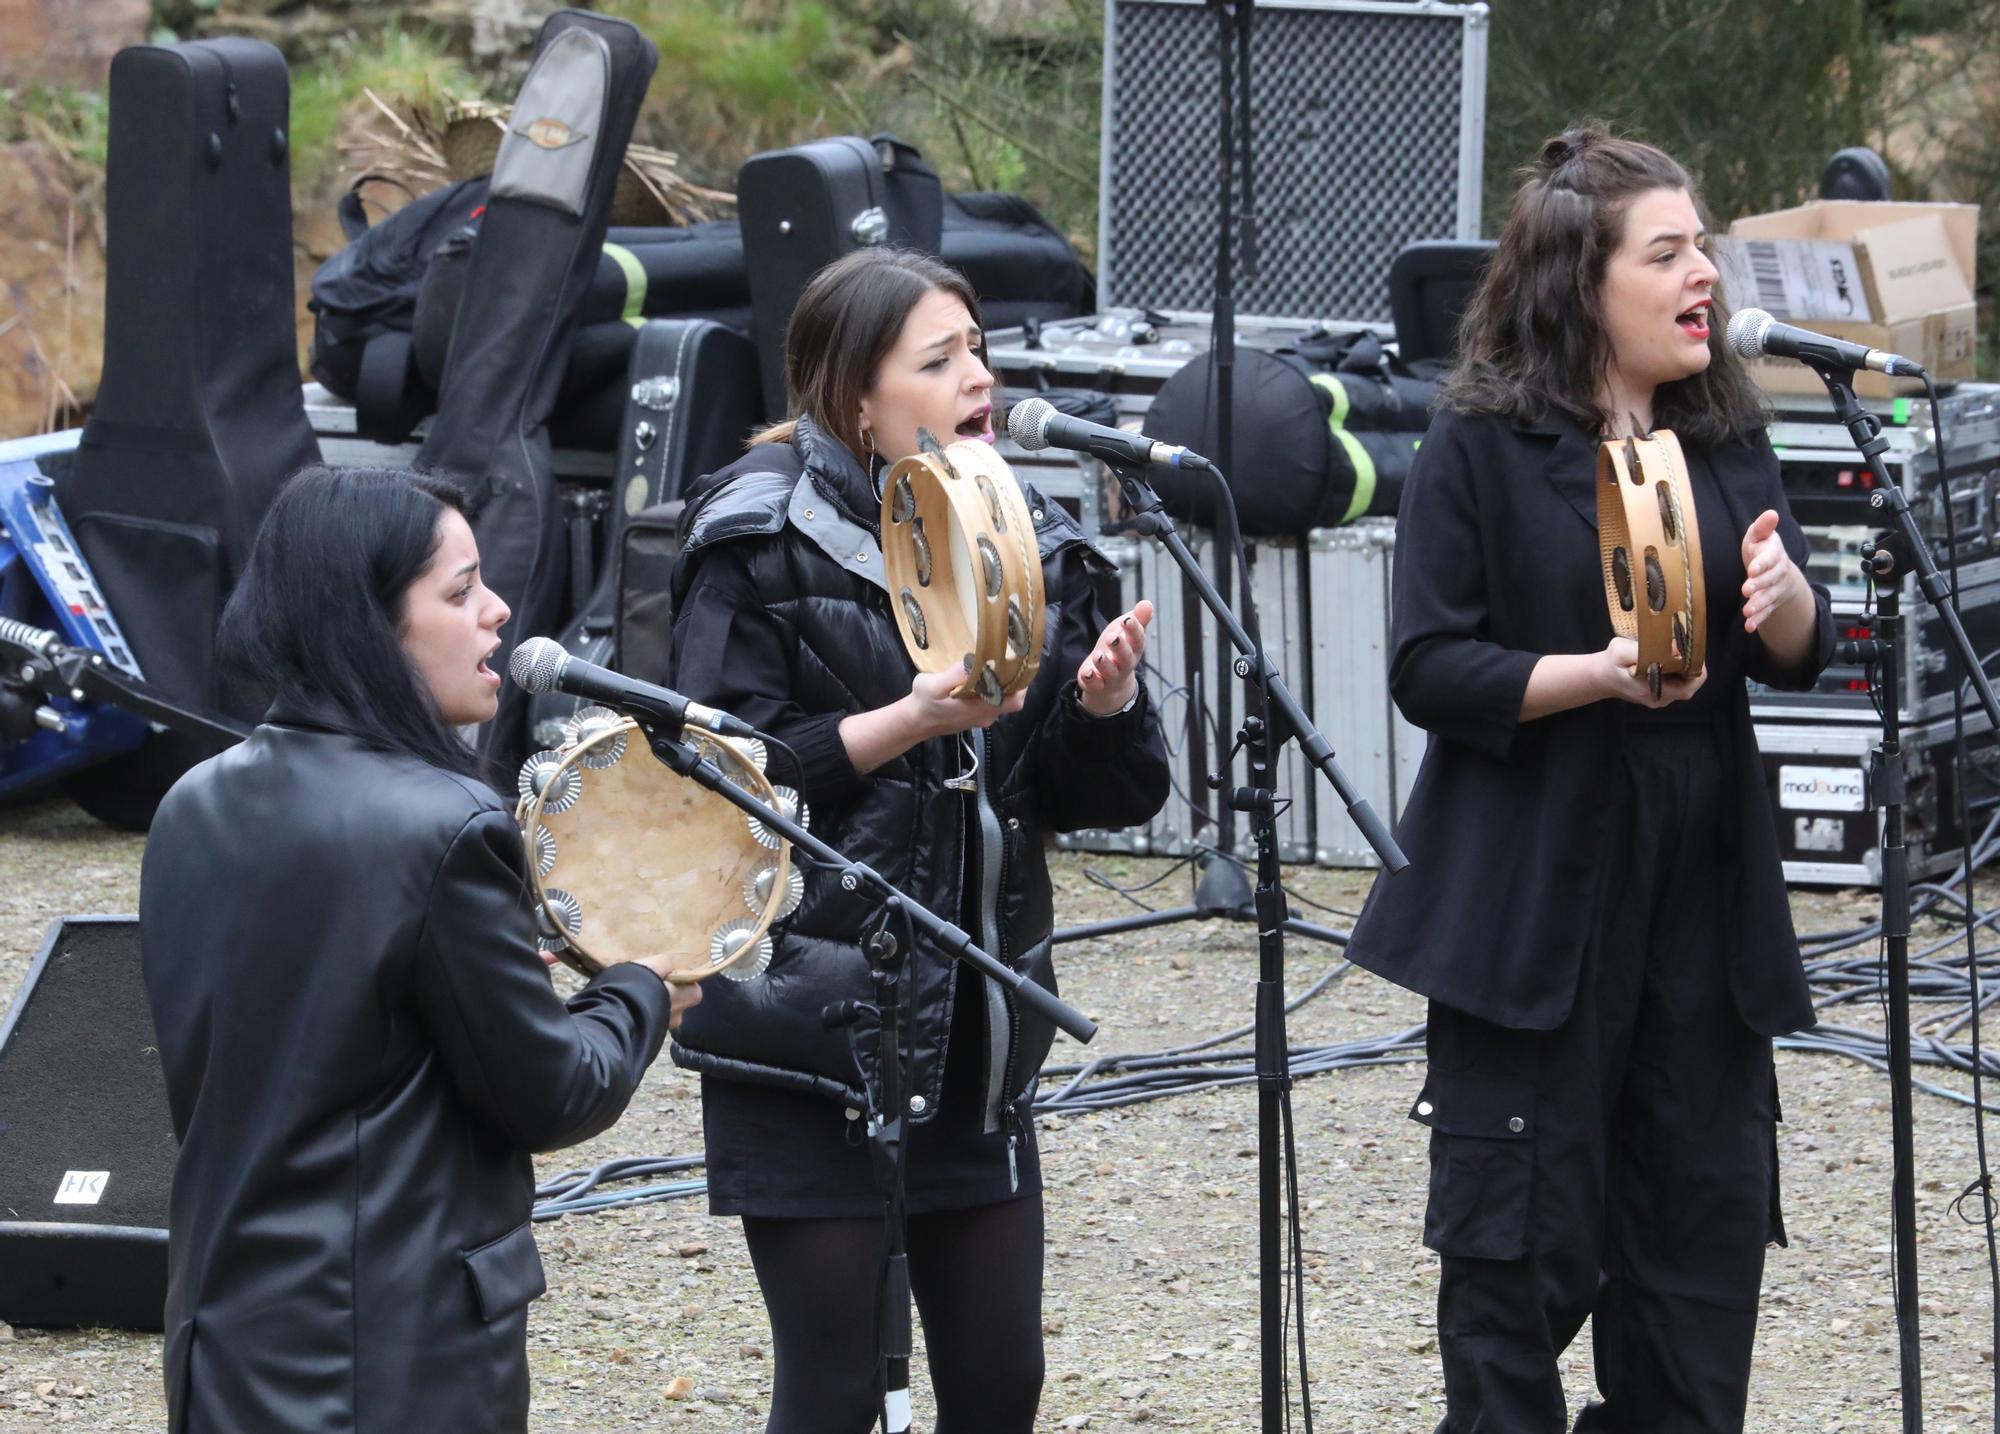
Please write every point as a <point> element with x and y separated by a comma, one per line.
<point>1621,1167</point>
<point>976,1275</point>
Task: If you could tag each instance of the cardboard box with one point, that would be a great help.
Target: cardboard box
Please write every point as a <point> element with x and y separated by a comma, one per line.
<point>1890,276</point>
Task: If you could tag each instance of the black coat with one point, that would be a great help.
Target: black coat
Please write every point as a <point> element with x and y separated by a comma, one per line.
<point>782,617</point>
<point>1510,824</point>
<point>361,1049</point>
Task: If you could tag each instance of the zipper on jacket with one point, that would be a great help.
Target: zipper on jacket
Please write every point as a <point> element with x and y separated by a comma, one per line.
<point>999,1010</point>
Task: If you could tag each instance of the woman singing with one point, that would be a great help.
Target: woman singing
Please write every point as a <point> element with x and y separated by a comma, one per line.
<point>361,1044</point>
<point>782,618</point>
<point>1595,904</point>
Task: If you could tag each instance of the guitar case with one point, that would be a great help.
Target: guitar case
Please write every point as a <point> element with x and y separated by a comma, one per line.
<point>691,401</point>
<point>198,419</point>
<point>537,247</point>
<point>804,207</point>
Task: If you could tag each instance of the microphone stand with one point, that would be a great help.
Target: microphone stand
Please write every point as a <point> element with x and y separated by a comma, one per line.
<point>1233,25</point>
<point>1887,564</point>
<point>887,1150</point>
<point>886,959</point>
<point>1260,738</point>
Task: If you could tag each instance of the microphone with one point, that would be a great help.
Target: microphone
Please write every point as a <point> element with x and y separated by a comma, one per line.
<point>542,664</point>
<point>1752,333</point>
<point>1035,424</point>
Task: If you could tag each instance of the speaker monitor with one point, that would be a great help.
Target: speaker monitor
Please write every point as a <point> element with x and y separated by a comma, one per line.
<point>86,1142</point>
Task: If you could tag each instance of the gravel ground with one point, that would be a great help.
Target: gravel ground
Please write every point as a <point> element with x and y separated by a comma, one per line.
<point>652,1318</point>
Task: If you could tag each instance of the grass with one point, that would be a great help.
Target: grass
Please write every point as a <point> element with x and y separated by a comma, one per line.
<point>75,123</point>
<point>397,64</point>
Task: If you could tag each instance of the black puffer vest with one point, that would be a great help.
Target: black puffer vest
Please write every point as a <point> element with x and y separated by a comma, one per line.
<point>807,516</point>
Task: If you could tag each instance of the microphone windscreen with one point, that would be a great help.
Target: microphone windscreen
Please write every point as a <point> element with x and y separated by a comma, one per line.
<point>1746,332</point>
<point>1028,423</point>
<point>536,664</point>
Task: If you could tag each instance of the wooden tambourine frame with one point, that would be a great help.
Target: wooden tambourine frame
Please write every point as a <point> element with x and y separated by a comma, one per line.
<point>1650,543</point>
<point>964,567</point>
<point>631,861</point>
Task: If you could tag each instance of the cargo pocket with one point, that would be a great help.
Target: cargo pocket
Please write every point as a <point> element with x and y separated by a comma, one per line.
<point>1482,1165</point>
<point>506,1273</point>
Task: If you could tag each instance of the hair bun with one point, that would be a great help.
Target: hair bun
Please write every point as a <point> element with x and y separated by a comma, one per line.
<point>1562,149</point>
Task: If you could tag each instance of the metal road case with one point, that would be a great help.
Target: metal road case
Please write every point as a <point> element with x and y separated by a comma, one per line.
<point>1368,128</point>
<point>1324,605</point>
<point>1820,785</point>
<point>1348,579</point>
<point>1128,355</point>
<point>1138,562</point>
<point>1830,489</point>
<point>1925,664</point>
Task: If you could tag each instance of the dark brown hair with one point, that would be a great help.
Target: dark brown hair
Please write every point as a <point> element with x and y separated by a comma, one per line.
<point>845,323</point>
<point>1533,336</point>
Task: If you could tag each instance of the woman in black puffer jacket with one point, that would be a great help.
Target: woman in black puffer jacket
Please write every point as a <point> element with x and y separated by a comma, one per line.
<point>783,618</point>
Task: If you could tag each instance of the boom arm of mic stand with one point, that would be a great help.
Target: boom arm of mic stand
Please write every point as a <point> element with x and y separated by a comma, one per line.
<point>1150,519</point>
<point>686,760</point>
<point>1867,435</point>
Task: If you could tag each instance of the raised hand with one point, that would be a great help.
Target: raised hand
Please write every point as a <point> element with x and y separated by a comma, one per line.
<point>1109,674</point>
<point>1771,578</point>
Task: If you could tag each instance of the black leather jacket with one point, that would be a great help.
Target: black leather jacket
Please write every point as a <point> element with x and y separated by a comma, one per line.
<point>782,617</point>
<point>361,1049</point>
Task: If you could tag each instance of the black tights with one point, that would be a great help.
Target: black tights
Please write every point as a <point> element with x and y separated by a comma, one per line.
<point>977,1277</point>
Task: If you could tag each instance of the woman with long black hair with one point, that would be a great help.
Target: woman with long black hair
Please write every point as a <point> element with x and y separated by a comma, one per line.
<point>361,1044</point>
<point>1595,904</point>
<point>783,618</point>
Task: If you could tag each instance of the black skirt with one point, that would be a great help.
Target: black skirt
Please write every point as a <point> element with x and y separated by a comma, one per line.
<point>784,1154</point>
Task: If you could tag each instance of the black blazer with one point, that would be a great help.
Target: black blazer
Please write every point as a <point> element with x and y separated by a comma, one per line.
<point>1509,826</point>
<point>361,1049</point>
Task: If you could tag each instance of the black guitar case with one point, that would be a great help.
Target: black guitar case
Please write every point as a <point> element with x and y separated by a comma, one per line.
<point>198,419</point>
<point>804,207</point>
<point>691,401</point>
<point>538,245</point>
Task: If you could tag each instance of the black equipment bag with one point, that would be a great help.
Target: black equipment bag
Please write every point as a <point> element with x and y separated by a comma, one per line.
<point>804,207</point>
<point>199,418</point>
<point>539,243</point>
<point>696,272</point>
<point>365,304</point>
<point>1313,448</point>
<point>691,401</point>
<point>1018,263</point>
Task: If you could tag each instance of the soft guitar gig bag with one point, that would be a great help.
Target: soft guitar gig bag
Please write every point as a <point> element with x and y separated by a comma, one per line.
<point>691,401</point>
<point>199,418</point>
<point>539,243</point>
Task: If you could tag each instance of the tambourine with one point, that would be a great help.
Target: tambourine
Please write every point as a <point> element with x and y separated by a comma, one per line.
<point>964,568</point>
<point>631,860</point>
<point>1651,547</point>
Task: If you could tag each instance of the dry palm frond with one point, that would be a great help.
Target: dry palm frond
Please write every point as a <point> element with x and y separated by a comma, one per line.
<point>437,140</point>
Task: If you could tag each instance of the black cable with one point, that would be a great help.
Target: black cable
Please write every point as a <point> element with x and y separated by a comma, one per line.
<point>1982,1184</point>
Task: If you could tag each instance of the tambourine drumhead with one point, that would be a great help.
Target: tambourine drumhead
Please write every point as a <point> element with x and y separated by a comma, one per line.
<point>1650,544</point>
<point>631,860</point>
<point>964,568</point>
